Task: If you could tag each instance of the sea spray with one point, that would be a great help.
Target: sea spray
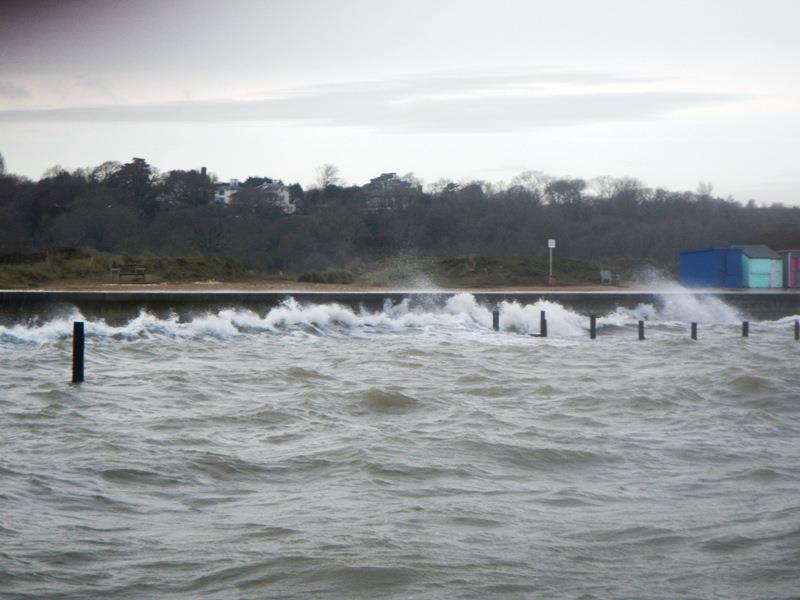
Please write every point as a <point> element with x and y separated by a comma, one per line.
<point>526,318</point>
<point>460,312</point>
<point>686,307</point>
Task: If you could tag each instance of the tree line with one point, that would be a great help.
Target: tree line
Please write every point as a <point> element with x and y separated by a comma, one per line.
<point>131,208</point>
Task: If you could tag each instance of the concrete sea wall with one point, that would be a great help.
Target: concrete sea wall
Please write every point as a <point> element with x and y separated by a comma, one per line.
<point>118,306</point>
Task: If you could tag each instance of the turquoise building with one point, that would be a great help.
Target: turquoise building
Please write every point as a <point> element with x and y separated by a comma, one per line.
<point>761,267</point>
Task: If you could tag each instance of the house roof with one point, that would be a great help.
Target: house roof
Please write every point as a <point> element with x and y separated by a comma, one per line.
<point>750,251</point>
<point>711,249</point>
<point>270,186</point>
<point>759,251</point>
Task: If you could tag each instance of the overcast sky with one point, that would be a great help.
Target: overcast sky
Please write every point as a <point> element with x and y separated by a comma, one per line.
<point>670,92</point>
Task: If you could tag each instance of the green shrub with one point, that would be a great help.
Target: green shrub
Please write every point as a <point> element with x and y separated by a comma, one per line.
<point>328,276</point>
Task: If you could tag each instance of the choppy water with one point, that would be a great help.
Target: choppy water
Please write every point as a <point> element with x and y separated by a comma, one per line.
<point>412,453</point>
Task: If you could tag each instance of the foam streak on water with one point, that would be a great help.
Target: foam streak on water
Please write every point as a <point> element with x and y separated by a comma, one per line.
<point>321,451</point>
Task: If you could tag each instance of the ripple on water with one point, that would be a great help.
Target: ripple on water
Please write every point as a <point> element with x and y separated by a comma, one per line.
<point>763,475</point>
<point>223,467</point>
<point>306,375</point>
<point>746,384</point>
<point>536,458</point>
<point>730,544</point>
<point>129,476</point>
<point>395,470</point>
<point>386,401</point>
<point>256,531</point>
<point>493,391</point>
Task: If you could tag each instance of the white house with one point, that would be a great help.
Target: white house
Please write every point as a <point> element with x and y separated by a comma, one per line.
<point>225,191</point>
<point>278,195</point>
<point>274,194</point>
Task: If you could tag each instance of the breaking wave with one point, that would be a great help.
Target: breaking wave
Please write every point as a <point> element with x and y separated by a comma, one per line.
<point>461,312</point>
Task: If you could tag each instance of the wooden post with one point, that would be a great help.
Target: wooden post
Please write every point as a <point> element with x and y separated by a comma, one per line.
<point>592,326</point>
<point>797,330</point>
<point>694,331</point>
<point>496,319</point>
<point>542,324</point>
<point>745,329</point>
<point>77,351</point>
<point>641,330</point>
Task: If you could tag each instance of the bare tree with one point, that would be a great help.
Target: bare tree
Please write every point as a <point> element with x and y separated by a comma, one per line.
<point>602,186</point>
<point>327,174</point>
<point>533,181</point>
<point>442,185</point>
<point>53,172</point>
<point>704,188</point>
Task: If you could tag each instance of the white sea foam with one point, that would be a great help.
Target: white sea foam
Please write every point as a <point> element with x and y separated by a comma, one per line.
<point>459,313</point>
<point>677,309</point>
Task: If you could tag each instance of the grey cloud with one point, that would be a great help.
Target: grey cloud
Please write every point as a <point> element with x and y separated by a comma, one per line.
<point>494,103</point>
<point>13,91</point>
<point>449,83</point>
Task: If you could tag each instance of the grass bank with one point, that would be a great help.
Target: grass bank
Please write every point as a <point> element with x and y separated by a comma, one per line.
<point>479,271</point>
<point>72,267</point>
<point>80,267</point>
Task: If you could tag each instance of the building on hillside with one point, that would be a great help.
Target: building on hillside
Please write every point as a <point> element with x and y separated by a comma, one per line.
<point>270,193</point>
<point>388,191</point>
<point>224,192</point>
<point>731,267</point>
<point>791,268</point>
<point>279,196</point>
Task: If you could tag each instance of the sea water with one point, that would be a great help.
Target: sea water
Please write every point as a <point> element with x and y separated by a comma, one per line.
<point>320,451</point>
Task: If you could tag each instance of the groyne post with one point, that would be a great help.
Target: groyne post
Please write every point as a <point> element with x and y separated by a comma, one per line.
<point>78,340</point>
<point>694,331</point>
<point>745,329</point>
<point>592,326</point>
<point>542,324</point>
<point>496,319</point>
<point>641,330</point>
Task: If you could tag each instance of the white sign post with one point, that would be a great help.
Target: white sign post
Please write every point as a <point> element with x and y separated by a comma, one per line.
<point>551,244</point>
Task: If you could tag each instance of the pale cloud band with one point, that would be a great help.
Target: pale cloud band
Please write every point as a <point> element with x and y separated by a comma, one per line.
<point>432,104</point>
<point>12,91</point>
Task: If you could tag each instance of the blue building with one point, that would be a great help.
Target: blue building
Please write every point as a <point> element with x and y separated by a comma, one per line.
<point>731,267</point>
<point>712,267</point>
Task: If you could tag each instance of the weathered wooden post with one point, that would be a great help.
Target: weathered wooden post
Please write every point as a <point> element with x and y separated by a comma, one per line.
<point>77,351</point>
<point>592,326</point>
<point>542,324</point>
<point>797,329</point>
<point>641,330</point>
<point>694,331</point>
<point>745,329</point>
<point>496,319</point>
